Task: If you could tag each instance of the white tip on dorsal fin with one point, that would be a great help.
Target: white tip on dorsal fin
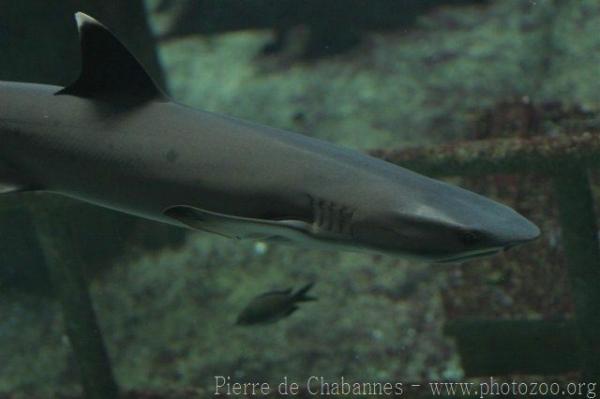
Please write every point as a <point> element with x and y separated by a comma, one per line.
<point>83,18</point>
<point>108,69</point>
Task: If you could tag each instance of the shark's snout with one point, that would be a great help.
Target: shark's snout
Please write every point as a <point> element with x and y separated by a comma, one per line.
<point>524,232</point>
<point>509,230</point>
<point>529,231</point>
<point>446,224</point>
<point>498,228</point>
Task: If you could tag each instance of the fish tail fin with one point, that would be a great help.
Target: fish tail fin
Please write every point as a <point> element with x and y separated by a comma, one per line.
<point>301,296</point>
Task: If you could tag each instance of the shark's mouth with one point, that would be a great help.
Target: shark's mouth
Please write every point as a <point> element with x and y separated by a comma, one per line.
<point>471,255</point>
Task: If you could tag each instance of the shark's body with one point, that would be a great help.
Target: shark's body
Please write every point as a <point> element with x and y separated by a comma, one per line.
<point>113,139</point>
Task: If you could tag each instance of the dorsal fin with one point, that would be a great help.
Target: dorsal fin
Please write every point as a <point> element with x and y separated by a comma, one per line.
<point>108,69</point>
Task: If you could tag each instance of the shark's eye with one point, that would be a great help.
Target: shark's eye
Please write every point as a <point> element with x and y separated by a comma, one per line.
<point>469,237</point>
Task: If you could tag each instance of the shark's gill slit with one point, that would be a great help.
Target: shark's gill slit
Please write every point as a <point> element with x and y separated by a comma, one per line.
<point>330,217</point>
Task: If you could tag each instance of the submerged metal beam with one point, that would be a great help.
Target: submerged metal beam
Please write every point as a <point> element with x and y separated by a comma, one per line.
<point>476,158</point>
<point>566,159</point>
<point>53,221</point>
<point>504,347</point>
<point>580,242</point>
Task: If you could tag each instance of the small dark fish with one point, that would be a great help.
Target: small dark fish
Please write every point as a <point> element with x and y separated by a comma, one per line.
<point>273,306</point>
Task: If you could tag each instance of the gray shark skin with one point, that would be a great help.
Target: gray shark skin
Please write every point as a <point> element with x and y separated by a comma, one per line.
<point>113,139</point>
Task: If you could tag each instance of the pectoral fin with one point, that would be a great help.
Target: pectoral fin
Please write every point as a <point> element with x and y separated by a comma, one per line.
<point>235,226</point>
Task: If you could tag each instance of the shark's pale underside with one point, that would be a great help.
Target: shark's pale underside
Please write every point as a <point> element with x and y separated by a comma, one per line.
<point>114,139</point>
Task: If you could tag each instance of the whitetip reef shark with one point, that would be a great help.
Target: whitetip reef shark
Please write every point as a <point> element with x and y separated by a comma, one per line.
<point>114,139</point>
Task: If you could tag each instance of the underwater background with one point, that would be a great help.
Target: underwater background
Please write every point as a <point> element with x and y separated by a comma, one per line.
<point>470,80</point>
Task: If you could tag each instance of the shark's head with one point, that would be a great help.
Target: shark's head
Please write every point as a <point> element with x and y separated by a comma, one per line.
<point>441,223</point>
